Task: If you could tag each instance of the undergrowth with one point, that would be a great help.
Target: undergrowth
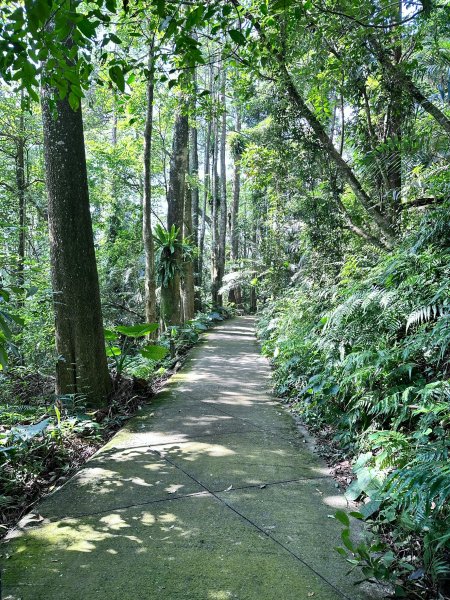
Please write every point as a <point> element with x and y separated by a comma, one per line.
<point>369,356</point>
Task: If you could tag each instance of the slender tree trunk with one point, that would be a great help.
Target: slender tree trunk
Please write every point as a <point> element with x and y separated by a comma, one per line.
<point>223,187</point>
<point>171,308</point>
<point>206,188</point>
<point>215,200</point>
<point>21,186</point>
<point>188,267</point>
<point>253,300</point>
<point>193,168</point>
<point>114,217</point>
<point>394,163</point>
<point>81,367</point>
<point>206,194</point>
<point>147,235</point>
<point>346,172</point>
<point>235,293</point>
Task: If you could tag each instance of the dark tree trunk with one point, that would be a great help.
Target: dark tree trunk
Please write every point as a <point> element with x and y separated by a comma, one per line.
<point>171,308</point>
<point>206,191</point>
<point>253,299</point>
<point>235,293</point>
<point>395,125</point>
<point>188,267</point>
<point>193,169</point>
<point>81,367</point>
<point>223,188</point>
<point>206,195</point>
<point>147,235</point>
<point>215,202</point>
<point>21,187</point>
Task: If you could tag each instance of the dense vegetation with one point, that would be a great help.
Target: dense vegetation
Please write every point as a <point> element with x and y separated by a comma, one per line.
<point>162,163</point>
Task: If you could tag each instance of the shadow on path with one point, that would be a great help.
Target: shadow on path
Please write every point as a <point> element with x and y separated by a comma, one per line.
<point>208,494</point>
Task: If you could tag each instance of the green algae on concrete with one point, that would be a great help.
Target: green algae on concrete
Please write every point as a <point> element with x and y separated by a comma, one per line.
<point>189,549</point>
<point>241,459</point>
<point>299,515</point>
<point>118,478</point>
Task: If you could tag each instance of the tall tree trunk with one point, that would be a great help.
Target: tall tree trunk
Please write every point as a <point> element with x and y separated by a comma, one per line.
<point>21,186</point>
<point>235,293</point>
<point>223,186</point>
<point>188,266</point>
<point>206,190</point>
<point>170,294</point>
<point>81,367</point>
<point>147,236</point>
<point>253,300</point>
<point>394,162</point>
<point>215,201</point>
<point>193,169</point>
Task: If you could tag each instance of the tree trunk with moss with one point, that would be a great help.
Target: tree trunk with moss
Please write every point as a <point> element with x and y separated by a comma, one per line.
<point>223,187</point>
<point>171,308</point>
<point>81,364</point>
<point>188,266</point>
<point>147,235</point>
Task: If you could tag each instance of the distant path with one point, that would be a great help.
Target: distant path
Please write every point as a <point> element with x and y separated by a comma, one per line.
<point>210,493</point>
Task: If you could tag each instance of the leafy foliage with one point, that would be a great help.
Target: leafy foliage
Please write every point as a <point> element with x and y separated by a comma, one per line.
<point>370,357</point>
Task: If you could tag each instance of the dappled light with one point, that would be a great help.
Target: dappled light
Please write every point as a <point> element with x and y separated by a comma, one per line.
<point>193,492</point>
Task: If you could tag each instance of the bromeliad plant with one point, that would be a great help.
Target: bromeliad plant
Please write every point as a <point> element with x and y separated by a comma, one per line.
<point>121,342</point>
<point>169,247</point>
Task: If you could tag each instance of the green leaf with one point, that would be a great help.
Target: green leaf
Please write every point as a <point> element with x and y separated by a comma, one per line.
<point>357,515</point>
<point>237,36</point>
<point>110,335</point>
<point>113,351</point>
<point>161,8</point>
<point>116,74</point>
<point>74,101</point>
<point>345,535</point>
<point>194,17</point>
<point>137,330</point>
<point>342,516</point>
<point>154,352</point>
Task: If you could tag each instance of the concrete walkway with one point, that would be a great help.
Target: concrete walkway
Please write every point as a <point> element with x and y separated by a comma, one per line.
<point>210,493</point>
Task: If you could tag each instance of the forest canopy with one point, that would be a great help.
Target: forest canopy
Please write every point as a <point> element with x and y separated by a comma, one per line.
<point>164,164</point>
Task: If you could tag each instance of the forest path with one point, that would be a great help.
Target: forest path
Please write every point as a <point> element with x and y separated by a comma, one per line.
<point>210,493</point>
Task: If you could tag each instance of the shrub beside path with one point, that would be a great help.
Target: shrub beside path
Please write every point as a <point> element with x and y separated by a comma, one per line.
<point>210,493</point>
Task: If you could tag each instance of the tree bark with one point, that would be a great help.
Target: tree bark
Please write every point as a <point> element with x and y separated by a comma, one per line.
<point>193,168</point>
<point>21,186</point>
<point>171,308</point>
<point>81,366</point>
<point>223,187</point>
<point>206,191</point>
<point>215,202</point>
<point>147,235</point>
<point>188,267</point>
<point>235,293</point>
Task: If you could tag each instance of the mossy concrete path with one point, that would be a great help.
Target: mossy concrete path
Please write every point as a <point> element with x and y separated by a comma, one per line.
<point>210,493</point>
